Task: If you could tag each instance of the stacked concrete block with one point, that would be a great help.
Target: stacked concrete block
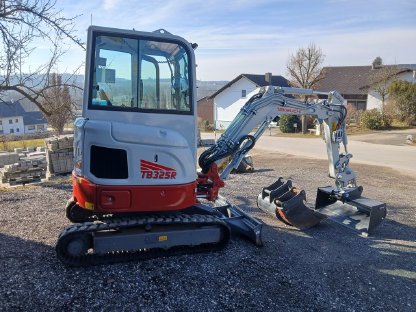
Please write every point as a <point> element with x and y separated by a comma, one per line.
<point>60,155</point>
<point>8,158</point>
<point>24,171</point>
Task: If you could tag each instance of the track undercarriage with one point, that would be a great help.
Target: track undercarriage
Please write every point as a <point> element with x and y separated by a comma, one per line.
<point>117,238</point>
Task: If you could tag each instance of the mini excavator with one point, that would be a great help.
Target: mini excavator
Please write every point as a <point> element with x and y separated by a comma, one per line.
<point>136,191</point>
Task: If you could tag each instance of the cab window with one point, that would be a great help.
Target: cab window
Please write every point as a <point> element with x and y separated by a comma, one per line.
<point>140,75</point>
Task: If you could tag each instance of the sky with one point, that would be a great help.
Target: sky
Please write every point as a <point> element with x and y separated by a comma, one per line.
<point>258,36</point>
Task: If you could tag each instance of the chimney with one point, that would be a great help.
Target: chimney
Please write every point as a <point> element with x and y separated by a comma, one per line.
<point>268,78</point>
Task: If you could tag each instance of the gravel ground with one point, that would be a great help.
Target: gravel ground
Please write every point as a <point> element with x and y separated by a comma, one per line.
<point>327,268</point>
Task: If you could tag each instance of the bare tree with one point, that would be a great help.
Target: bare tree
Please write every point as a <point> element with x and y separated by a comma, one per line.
<point>57,101</point>
<point>24,24</point>
<point>305,70</point>
<point>380,80</point>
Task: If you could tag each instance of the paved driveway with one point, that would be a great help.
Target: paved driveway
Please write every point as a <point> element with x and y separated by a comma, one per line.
<point>390,137</point>
<point>401,158</point>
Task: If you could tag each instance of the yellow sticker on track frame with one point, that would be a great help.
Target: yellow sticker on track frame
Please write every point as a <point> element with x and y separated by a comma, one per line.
<point>163,238</point>
<point>89,205</point>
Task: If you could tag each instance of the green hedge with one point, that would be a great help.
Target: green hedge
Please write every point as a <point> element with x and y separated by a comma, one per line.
<point>373,119</point>
<point>286,123</point>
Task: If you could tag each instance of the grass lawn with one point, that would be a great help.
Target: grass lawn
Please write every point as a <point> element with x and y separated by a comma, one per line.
<point>11,145</point>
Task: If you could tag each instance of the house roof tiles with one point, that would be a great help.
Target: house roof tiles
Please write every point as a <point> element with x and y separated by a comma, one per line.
<point>11,109</point>
<point>15,109</point>
<point>351,79</point>
<point>34,118</point>
<point>258,80</point>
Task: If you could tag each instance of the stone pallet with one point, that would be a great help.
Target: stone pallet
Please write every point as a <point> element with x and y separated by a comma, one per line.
<point>8,158</point>
<point>29,167</point>
<point>60,155</point>
<point>23,181</point>
<point>5,176</point>
<point>32,164</point>
<point>59,142</point>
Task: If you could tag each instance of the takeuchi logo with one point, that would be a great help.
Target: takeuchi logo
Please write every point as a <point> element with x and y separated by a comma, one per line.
<point>152,170</point>
<point>289,110</point>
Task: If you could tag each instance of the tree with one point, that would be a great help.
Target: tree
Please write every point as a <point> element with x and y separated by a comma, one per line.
<point>403,94</point>
<point>305,70</point>
<point>57,101</point>
<point>24,25</point>
<point>378,62</point>
<point>380,79</point>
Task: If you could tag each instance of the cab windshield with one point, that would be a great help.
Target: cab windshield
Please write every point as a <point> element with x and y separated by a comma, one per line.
<point>139,75</point>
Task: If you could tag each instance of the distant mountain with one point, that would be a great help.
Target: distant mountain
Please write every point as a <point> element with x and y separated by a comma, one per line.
<point>207,88</point>
<point>204,88</point>
<point>28,106</point>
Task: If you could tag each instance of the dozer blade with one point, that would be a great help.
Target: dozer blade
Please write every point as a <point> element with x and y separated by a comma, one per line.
<point>351,209</point>
<point>287,203</point>
<point>239,222</point>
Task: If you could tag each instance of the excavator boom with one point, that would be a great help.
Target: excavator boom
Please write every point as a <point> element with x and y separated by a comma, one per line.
<point>343,203</point>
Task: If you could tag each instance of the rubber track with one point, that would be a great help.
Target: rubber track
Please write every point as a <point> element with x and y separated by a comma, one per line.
<point>130,223</point>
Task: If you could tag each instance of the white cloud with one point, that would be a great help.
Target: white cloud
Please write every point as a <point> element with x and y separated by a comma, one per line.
<point>271,54</point>
<point>110,4</point>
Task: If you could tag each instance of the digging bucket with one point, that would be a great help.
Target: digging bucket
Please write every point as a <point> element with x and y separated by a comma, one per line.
<point>265,200</point>
<point>288,204</point>
<point>292,208</point>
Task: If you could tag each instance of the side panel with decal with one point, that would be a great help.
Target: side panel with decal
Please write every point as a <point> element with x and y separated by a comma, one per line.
<point>150,170</point>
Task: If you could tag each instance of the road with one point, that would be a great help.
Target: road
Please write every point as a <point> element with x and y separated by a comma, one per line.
<point>401,158</point>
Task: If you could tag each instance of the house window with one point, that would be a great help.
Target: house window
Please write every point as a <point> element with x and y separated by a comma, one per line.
<point>11,130</point>
<point>10,121</point>
<point>243,93</point>
<point>1,122</point>
<point>32,127</point>
<point>40,127</point>
<point>16,120</point>
<point>360,105</point>
<point>17,130</point>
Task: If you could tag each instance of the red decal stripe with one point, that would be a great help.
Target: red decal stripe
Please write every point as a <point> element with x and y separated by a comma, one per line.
<point>147,165</point>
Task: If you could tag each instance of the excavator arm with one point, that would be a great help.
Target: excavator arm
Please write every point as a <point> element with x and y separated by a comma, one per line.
<point>257,113</point>
<point>262,108</point>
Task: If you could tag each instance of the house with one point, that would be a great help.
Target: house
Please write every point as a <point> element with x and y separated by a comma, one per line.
<point>228,100</point>
<point>206,109</point>
<point>34,122</point>
<point>354,82</point>
<point>15,120</point>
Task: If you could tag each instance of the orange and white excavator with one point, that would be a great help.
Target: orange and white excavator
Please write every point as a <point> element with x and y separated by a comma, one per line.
<point>136,191</point>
